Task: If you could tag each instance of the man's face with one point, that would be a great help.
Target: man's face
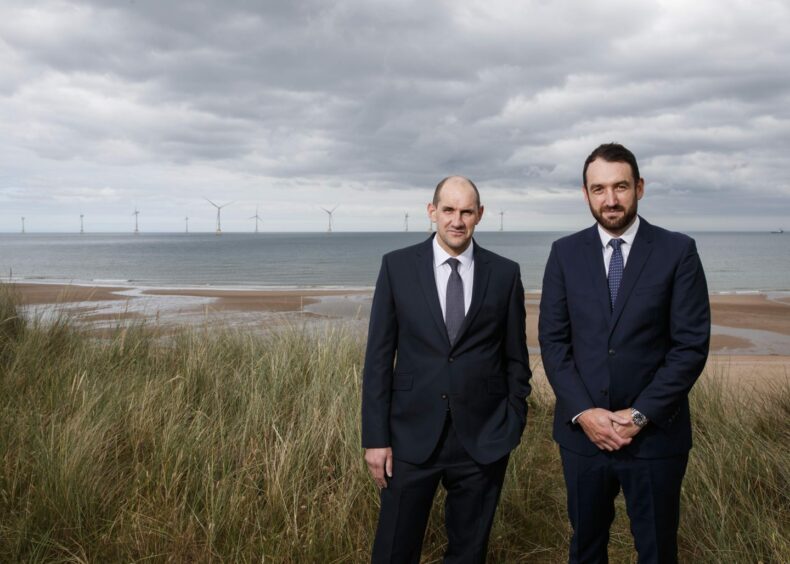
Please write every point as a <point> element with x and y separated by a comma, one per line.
<point>456,215</point>
<point>612,194</point>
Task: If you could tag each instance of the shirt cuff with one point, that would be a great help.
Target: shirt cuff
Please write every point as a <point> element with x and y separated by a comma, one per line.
<point>575,419</point>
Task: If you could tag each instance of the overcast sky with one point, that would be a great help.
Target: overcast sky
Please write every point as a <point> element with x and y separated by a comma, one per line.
<point>290,105</point>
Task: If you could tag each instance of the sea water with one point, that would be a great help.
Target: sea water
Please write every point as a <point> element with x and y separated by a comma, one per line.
<point>734,262</point>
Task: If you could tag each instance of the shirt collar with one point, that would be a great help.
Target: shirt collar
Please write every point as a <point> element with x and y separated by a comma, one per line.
<point>440,256</point>
<point>627,237</point>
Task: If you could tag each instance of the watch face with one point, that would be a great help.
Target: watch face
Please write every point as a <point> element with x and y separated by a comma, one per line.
<point>638,419</point>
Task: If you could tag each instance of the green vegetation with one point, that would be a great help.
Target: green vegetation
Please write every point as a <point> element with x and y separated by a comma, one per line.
<point>222,446</point>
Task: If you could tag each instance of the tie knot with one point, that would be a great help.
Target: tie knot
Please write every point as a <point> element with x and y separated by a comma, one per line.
<point>453,262</point>
<point>615,243</point>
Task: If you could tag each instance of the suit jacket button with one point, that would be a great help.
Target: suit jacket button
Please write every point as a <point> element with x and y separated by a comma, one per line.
<point>451,359</point>
<point>604,392</point>
<point>444,396</point>
<point>611,352</point>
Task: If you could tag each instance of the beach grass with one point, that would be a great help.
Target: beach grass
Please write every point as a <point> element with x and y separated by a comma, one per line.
<point>222,446</point>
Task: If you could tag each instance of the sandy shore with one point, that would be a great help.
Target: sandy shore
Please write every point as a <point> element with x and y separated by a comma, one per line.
<point>258,300</point>
<point>750,341</point>
<point>753,324</point>
<point>35,294</point>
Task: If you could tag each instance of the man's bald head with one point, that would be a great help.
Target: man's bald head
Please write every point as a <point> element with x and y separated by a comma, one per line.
<point>454,179</point>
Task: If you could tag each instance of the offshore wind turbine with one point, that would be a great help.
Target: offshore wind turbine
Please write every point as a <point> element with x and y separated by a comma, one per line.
<point>257,218</point>
<point>329,213</point>
<point>406,221</point>
<point>82,225</point>
<point>23,224</point>
<point>219,209</point>
<point>135,214</point>
<point>186,219</point>
<point>501,221</point>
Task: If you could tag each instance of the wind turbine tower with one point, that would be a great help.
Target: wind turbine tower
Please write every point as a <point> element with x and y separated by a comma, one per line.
<point>329,213</point>
<point>186,220</point>
<point>23,225</point>
<point>136,228</point>
<point>82,225</point>
<point>406,221</point>
<point>257,218</point>
<point>219,209</point>
<point>501,221</point>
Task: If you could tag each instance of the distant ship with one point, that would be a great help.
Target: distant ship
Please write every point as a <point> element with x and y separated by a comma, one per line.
<point>778,232</point>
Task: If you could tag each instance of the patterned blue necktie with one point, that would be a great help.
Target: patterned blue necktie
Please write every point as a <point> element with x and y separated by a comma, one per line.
<point>615,269</point>
<point>454,303</point>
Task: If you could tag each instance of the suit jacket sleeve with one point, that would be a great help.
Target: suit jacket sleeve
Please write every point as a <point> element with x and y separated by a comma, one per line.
<point>689,333</point>
<point>379,360</point>
<point>518,372</point>
<point>554,331</point>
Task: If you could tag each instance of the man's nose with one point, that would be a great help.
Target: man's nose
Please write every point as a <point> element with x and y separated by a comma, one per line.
<point>611,198</point>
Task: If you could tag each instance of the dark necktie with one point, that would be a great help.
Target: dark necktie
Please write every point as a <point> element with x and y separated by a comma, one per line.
<point>615,269</point>
<point>454,303</point>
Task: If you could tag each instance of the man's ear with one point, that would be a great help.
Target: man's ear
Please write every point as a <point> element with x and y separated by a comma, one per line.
<point>432,211</point>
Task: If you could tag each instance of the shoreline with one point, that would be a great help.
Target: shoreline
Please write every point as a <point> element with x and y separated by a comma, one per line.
<point>744,324</point>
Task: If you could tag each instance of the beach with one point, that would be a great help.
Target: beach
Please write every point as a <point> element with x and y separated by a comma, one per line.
<point>750,342</point>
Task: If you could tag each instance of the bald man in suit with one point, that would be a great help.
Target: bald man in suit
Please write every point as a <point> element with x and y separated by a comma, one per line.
<point>445,382</point>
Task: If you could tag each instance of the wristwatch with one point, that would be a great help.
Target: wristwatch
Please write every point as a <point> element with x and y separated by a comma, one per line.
<point>638,418</point>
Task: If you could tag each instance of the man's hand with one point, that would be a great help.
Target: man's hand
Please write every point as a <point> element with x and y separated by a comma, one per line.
<point>379,462</point>
<point>629,430</point>
<point>599,426</point>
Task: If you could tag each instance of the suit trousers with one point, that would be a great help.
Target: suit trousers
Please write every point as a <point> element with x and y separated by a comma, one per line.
<point>651,487</point>
<point>472,495</point>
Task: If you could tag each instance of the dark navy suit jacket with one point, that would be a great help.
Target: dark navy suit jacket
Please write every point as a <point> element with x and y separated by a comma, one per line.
<point>412,374</point>
<point>646,353</point>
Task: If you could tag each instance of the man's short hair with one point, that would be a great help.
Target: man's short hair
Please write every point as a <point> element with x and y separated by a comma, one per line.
<point>613,153</point>
<point>445,179</point>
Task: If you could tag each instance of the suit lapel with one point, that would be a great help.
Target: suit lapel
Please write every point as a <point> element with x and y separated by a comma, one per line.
<point>479,286</point>
<point>427,280</point>
<point>637,257</point>
<point>597,270</point>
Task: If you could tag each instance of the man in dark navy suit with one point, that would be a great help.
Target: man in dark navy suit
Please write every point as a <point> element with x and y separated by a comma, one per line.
<point>445,381</point>
<point>624,332</point>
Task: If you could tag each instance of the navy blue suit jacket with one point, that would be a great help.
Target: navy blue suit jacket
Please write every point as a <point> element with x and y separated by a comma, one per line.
<point>646,353</point>
<point>412,373</point>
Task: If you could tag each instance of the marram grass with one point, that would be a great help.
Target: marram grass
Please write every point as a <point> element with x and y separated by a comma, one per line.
<point>222,446</point>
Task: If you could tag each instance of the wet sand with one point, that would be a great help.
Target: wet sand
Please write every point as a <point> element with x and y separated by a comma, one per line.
<point>750,344</point>
<point>257,300</point>
<point>753,324</point>
<point>36,294</point>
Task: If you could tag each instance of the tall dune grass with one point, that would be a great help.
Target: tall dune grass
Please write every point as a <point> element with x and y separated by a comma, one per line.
<point>223,446</point>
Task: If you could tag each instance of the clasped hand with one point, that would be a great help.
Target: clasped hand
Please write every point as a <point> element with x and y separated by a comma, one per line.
<point>608,430</point>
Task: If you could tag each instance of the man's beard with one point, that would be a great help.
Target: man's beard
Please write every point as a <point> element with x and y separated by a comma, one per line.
<point>617,224</point>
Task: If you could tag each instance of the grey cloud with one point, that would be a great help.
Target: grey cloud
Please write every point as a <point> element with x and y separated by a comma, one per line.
<point>371,98</point>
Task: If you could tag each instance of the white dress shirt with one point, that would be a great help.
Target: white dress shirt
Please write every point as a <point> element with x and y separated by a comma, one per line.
<point>625,248</point>
<point>442,271</point>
